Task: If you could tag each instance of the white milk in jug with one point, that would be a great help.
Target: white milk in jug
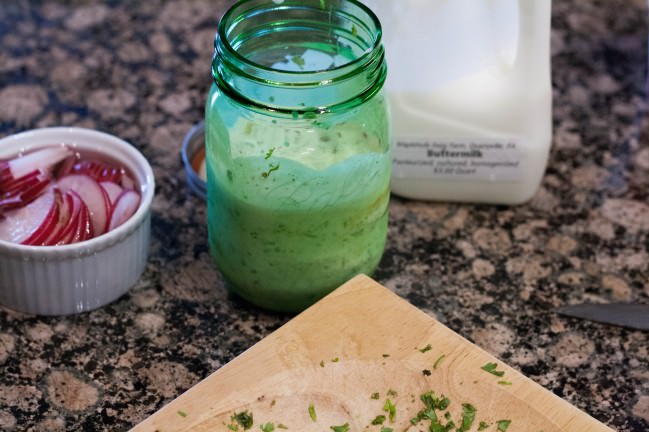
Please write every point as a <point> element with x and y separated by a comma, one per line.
<point>470,92</point>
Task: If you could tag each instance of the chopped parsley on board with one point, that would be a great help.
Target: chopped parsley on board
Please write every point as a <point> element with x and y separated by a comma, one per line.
<point>503,425</point>
<point>244,419</point>
<point>438,361</point>
<point>491,368</point>
<point>342,428</point>
<point>391,409</point>
<point>267,427</point>
<point>468,417</point>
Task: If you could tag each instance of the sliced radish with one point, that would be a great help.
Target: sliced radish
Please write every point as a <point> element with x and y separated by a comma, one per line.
<point>92,195</point>
<point>84,227</point>
<point>113,190</point>
<point>99,170</point>
<point>127,182</point>
<point>78,227</point>
<point>65,215</point>
<point>125,206</point>
<point>65,167</point>
<point>48,225</point>
<point>5,172</point>
<point>14,185</point>
<point>24,196</point>
<point>18,225</point>
<point>76,206</point>
<point>86,197</point>
<point>42,159</point>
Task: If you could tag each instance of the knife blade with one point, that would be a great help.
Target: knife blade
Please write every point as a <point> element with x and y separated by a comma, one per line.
<point>631,315</point>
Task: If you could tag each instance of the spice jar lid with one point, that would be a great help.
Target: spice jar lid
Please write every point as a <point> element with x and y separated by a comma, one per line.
<point>193,155</point>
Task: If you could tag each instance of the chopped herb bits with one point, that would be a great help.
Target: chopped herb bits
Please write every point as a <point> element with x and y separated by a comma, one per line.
<point>391,409</point>
<point>503,425</point>
<point>343,428</point>
<point>312,413</point>
<point>426,348</point>
<point>468,417</point>
<point>491,368</point>
<point>267,427</point>
<point>244,419</point>
<point>433,416</point>
<point>483,425</point>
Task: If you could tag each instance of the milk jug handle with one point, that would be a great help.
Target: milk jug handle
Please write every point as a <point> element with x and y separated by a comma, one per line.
<point>533,35</point>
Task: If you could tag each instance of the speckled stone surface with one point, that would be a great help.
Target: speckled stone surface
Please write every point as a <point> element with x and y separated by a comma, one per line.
<point>494,274</point>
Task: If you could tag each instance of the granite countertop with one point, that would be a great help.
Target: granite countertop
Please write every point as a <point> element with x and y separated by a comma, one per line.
<point>140,70</point>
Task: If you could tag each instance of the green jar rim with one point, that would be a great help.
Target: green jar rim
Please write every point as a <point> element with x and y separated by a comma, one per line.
<point>227,17</point>
<point>368,67</point>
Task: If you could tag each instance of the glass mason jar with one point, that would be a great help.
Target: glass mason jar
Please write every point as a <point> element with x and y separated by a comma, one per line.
<point>297,149</point>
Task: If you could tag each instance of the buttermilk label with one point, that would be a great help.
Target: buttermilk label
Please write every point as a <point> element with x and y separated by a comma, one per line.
<point>497,159</point>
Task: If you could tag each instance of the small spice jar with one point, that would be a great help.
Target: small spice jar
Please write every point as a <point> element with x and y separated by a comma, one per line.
<point>297,149</point>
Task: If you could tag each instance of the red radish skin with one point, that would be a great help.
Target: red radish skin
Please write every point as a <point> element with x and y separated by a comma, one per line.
<point>113,190</point>
<point>125,206</point>
<point>5,172</point>
<point>18,225</point>
<point>18,192</point>
<point>65,215</point>
<point>84,229</point>
<point>78,224</point>
<point>67,234</point>
<point>98,170</point>
<point>24,197</point>
<point>49,224</point>
<point>92,195</point>
<point>66,166</point>
<point>15,184</point>
<point>86,197</point>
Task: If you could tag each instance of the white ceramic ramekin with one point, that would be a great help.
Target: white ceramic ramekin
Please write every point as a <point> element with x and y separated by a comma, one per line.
<point>62,280</point>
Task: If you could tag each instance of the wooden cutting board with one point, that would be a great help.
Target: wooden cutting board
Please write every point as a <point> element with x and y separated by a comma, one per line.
<point>360,340</point>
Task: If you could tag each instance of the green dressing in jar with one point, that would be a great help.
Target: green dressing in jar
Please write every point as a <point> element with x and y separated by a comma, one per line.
<point>298,162</point>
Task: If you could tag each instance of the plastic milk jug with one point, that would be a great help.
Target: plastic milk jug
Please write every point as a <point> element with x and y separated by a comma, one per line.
<point>471,98</point>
